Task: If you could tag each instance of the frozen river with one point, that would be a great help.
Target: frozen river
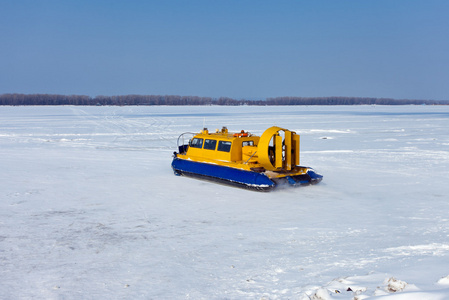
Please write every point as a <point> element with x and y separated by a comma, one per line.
<point>90,208</point>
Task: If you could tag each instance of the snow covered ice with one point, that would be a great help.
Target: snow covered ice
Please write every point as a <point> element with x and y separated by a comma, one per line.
<point>90,208</point>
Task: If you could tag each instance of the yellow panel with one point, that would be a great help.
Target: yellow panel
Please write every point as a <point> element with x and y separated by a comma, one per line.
<point>278,151</point>
<point>295,149</point>
<point>288,150</point>
<point>209,154</point>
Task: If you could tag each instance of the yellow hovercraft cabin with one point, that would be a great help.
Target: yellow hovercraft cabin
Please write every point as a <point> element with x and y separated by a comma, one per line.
<point>243,159</point>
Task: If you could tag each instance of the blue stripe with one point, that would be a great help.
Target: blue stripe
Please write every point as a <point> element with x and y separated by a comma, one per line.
<point>222,172</point>
<point>314,176</point>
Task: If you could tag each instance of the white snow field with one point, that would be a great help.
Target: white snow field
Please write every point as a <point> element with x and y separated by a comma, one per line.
<point>90,207</point>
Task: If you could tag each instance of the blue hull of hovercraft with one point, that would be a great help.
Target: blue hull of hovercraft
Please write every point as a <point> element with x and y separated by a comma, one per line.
<point>238,177</point>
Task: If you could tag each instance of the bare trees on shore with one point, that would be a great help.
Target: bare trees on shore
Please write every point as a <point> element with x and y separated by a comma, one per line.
<point>52,99</point>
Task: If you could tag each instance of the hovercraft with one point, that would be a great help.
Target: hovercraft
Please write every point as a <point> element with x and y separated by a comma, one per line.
<point>242,159</point>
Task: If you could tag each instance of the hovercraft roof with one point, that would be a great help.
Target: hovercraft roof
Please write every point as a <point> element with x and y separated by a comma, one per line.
<point>223,134</point>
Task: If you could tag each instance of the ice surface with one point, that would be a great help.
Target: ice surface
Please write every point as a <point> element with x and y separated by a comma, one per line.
<point>90,208</point>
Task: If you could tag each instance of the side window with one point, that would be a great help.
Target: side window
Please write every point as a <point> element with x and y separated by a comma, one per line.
<point>210,144</point>
<point>247,143</point>
<point>196,143</point>
<point>224,146</point>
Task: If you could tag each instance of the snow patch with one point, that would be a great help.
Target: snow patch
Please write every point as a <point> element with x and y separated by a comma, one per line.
<point>444,280</point>
<point>321,294</point>
<point>394,285</point>
<point>435,249</point>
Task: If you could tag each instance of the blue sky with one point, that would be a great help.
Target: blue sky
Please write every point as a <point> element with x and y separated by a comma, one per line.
<point>239,49</point>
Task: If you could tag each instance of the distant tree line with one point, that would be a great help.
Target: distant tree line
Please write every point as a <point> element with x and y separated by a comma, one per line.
<point>349,101</point>
<point>50,99</point>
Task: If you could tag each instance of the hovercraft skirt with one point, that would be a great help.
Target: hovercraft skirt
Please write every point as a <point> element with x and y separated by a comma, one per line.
<point>211,172</point>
